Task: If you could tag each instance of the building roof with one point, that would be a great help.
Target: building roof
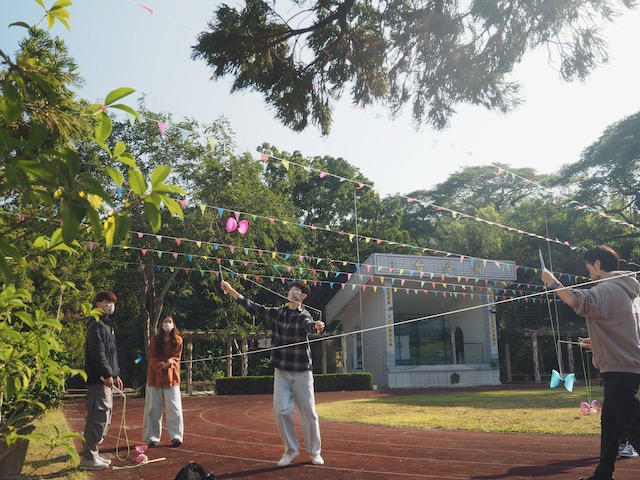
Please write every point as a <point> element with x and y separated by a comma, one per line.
<point>445,271</point>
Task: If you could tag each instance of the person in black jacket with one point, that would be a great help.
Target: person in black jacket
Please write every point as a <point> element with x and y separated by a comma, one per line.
<point>103,373</point>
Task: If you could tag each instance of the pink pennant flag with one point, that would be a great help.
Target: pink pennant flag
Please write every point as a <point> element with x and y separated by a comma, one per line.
<point>323,174</point>
<point>91,245</point>
<point>273,222</point>
<point>144,251</point>
<point>360,186</point>
<point>183,203</point>
<point>178,241</point>
<point>175,255</point>
<point>140,234</point>
<point>162,126</point>
<point>264,157</point>
<point>499,172</point>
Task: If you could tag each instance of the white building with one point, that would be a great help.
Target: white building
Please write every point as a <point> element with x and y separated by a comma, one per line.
<point>426,321</point>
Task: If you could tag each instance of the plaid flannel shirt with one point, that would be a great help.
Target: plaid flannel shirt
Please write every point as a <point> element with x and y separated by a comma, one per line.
<point>287,326</point>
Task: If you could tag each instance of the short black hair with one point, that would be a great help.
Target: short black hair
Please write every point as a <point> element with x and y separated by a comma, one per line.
<point>609,259</point>
<point>104,295</point>
<point>304,288</point>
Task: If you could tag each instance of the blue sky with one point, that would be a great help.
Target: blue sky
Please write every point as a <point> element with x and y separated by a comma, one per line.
<point>118,43</point>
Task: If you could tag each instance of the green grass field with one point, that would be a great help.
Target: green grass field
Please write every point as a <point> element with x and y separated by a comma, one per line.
<point>544,411</point>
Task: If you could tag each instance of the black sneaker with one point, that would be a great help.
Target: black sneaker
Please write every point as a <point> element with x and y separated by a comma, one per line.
<point>153,444</point>
<point>176,443</point>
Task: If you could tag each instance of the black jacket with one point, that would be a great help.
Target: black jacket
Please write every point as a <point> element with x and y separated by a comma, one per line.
<point>100,354</point>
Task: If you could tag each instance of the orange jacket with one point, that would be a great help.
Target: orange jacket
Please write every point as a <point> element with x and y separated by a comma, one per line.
<point>157,376</point>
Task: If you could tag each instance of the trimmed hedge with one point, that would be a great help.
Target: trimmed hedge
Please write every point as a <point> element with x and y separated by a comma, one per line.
<point>333,382</point>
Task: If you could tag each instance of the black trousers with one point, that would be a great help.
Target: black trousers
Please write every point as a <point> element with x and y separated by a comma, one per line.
<point>620,416</point>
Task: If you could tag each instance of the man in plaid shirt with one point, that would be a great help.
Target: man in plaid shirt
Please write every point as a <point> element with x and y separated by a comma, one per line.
<point>293,377</point>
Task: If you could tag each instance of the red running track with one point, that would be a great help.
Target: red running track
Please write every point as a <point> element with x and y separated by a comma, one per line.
<point>235,437</point>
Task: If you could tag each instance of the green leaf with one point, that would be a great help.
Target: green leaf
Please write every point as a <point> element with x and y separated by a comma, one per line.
<point>118,94</point>
<point>159,174</point>
<point>5,270</point>
<point>126,108</point>
<point>10,335</point>
<point>43,348</point>
<point>20,24</point>
<point>61,4</point>
<point>137,182</point>
<point>119,148</point>
<point>34,168</point>
<point>127,159</point>
<point>8,249</point>
<point>123,225</point>
<point>72,214</point>
<point>109,230</point>
<point>37,135</point>
<point>116,175</point>
<point>164,188</point>
<point>152,214</point>
<point>10,103</point>
<point>53,261</point>
<point>96,223</point>
<point>104,125</point>
<point>173,206</point>
<point>40,242</point>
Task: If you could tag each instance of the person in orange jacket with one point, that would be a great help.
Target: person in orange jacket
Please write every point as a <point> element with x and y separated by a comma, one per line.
<point>163,381</point>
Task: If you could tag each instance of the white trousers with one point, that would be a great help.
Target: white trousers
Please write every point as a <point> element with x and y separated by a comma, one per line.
<point>152,419</point>
<point>290,387</point>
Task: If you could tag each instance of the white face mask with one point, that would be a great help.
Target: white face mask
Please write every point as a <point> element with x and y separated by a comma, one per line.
<point>109,308</point>
<point>167,327</point>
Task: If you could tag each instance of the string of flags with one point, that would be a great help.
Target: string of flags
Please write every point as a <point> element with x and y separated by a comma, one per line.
<point>580,206</point>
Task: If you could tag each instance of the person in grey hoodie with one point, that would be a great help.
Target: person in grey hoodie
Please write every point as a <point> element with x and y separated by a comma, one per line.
<point>612,310</point>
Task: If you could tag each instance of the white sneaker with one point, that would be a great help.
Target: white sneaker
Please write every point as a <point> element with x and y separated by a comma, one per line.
<point>626,450</point>
<point>104,460</point>
<point>286,458</point>
<point>93,465</point>
<point>317,459</point>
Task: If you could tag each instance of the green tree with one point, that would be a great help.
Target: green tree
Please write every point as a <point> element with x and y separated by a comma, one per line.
<point>429,54</point>
<point>48,200</point>
<point>607,180</point>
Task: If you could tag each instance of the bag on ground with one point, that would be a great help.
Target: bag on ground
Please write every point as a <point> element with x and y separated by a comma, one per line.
<point>194,471</point>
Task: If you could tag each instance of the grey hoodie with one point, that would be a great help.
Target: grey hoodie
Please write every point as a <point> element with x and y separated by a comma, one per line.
<point>612,310</point>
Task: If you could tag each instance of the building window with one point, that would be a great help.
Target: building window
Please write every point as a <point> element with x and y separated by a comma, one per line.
<point>424,342</point>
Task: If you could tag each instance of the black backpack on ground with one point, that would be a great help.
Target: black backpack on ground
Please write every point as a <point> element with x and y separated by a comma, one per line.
<point>194,471</point>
